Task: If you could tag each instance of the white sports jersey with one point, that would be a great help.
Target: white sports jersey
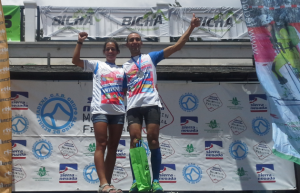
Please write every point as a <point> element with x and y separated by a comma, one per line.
<point>142,90</point>
<point>108,96</point>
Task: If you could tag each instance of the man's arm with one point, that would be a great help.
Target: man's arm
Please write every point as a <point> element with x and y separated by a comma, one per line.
<point>76,55</point>
<point>195,22</point>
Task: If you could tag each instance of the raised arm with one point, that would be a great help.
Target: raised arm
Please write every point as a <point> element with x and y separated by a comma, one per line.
<point>195,22</point>
<point>76,55</point>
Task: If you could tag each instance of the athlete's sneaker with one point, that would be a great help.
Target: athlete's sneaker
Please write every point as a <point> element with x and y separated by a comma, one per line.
<point>134,188</point>
<point>156,188</point>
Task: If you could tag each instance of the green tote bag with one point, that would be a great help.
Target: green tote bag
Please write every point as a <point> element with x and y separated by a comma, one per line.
<point>140,167</point>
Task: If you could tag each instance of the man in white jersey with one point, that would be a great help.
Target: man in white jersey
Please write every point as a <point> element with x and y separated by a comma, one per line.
<point>143,99</point>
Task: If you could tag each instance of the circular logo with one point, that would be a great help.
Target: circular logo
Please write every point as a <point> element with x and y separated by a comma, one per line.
<point>90,174</point>
<point>188,102</point>
<point>19,124</point>
<point>192,173</point>
<point>56,114</point>
<point>260,126</point>
<point>146,147</point>
<point>238,150</point>
<point>42,149</point>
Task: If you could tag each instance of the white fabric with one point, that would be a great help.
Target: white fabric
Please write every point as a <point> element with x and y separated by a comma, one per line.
<point>141,91</point>
<point>108,97</point>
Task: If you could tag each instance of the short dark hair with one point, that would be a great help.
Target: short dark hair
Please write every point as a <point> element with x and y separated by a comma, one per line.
<point>113,41</point>
<point>133,33</point>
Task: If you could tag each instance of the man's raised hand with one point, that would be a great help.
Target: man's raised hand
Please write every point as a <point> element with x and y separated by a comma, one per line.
<point>195,22</point>
<point>82,36</point>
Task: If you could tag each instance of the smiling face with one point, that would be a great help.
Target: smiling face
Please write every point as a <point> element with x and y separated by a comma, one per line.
<point>134,44</point>
<point>111,52</point>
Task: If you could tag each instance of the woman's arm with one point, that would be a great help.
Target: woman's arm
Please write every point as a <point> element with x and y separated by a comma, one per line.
<point>76,55</point>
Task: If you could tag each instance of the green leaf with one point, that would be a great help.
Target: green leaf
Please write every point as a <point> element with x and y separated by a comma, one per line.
<point>228,14</point>
<point>90,11</point>
<point>147,15</point>
<point>217,16</point>
<point>96,19</point>
<point>160,11</point>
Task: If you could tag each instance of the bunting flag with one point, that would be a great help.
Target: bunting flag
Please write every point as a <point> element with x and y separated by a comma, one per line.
<point>5,112</point>
<point>274,30</point>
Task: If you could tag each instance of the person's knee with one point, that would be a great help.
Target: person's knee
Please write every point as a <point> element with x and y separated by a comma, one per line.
<point>101,144</point>
<point>152,140</point>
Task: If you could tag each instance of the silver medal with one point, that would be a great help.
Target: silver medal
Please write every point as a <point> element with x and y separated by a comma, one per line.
<point>140,74</point>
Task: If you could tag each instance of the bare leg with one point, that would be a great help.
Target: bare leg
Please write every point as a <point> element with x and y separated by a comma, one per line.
<point>135,131</point>
<point>100,129</point>
<point>115,132</point>
<point>152,135</point>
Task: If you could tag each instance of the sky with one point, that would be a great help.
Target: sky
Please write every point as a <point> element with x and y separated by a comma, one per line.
<point>127,3</point>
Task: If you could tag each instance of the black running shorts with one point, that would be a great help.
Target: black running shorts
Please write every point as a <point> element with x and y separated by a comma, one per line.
<point>151,114</point>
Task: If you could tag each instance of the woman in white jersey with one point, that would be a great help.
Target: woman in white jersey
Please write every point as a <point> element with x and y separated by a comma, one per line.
<point>107,107</point>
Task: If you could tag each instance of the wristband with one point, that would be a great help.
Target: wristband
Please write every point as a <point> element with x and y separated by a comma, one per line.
<point>79,43</point>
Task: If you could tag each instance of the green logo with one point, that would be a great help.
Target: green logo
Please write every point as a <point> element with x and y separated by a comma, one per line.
<point>81,13</point>
<point>213,124</point>
<point>236,104</point>
<point>92,147</point>
<point>42,171</point>
<point>190,148</point>
<point>234,101</point>
<point>43,175</point>
<point>241,172</point>
<point>214,127</point>
<point>191,151</point>
<point>153,14</point>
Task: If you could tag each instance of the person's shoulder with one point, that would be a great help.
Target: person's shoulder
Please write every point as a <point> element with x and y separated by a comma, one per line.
<point>128,62</point>
<point>94,61</point>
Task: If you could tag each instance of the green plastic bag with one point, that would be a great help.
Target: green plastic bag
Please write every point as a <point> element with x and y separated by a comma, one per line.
<point>140,167</point>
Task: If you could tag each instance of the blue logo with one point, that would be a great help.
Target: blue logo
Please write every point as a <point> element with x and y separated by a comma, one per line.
<point>192,173</point>
<point>19,100</point>
<point>18,151</point>
<point>19,124</point>
<point>68,173</point>
<point>189,125</point>
<point>57,113</point>
<point>90,174</point>
<point>258,102</point>
<point>121,154</point>
<point>42,149</point>
<point>188,102</point>
<point>265,173</point>
<point>167,173</point>
<point>238,150</point>
<point>213,149</point>
<point>260,126</point>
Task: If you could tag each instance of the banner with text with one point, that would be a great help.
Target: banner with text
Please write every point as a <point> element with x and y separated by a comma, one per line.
<point>5,112</point>
<point>212,137</point>
<point>274,29</point>
<point>99,22</point>
<point>12,22</point>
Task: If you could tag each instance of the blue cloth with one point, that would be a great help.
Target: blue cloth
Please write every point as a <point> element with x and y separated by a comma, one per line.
<point>156,57</point>
<point>155,162</point>
<point>133,177</point>
<point>125,82</point>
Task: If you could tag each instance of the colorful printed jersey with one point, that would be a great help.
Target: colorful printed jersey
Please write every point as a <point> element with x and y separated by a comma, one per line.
<point>142,91</point>
<point>108,96</point>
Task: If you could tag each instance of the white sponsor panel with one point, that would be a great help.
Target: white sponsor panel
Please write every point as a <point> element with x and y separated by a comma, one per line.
<point>67,22</point>
<point>216,146</point>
